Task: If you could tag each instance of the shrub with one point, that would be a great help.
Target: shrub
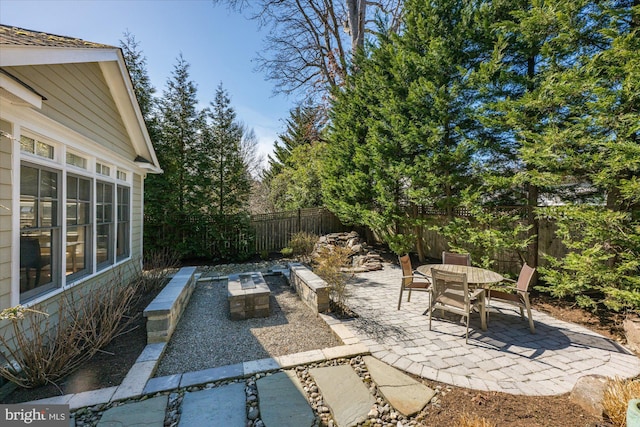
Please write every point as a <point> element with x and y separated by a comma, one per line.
<point>468,420</point>
<point>330,263</point>
<point>616,399</point>
<point>286,252</point>
<point>303,244</point>
<point>157,266</point>
<point>42,350</point>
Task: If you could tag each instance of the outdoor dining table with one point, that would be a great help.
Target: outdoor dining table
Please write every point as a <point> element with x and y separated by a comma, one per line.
<point>475,275</point>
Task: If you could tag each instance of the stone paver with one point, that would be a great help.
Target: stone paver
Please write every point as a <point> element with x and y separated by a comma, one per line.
<point>402,392</point>
<point>506,357</point>
<point>220,406</point>
<point>283,402</point>
<point>145,413</point>
<point>344,393</point>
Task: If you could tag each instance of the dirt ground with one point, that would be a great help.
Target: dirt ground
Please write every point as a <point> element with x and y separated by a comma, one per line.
<point>109,367</point>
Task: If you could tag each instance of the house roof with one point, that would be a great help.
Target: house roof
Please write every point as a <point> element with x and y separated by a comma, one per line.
<point>22,37</point>
<point>22,47</point>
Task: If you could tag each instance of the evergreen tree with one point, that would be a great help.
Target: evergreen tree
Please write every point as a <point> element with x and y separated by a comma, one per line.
<point>181,127</point>
<point>405,123</point>
<point>137,66</point>
<point>304,127</point>
<point>225,163</point>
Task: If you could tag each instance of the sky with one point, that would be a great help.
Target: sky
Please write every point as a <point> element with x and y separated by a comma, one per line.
<point>219,44</point>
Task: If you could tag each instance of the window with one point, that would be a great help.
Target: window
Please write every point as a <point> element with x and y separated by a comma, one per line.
<point>39,148</point>
<point>103,169</point>
<point>78,247</point>
<point>77,161</point>
<point>39,230</point>
<point>124,224</point>
<point>122,176</point>
<point>104,224</point>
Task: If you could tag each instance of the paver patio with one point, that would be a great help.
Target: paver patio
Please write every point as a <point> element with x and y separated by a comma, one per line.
<point>506,357</point>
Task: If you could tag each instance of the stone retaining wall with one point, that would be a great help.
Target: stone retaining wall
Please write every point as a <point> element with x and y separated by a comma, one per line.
<point>311,289</point>
<point>163,313</point>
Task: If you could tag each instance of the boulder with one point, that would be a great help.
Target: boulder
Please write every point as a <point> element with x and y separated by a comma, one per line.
<point>631,327</point>
<point>589,393</point>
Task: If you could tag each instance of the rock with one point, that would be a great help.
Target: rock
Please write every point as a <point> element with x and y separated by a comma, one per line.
<point>632,332</point>
<point>588,393</point>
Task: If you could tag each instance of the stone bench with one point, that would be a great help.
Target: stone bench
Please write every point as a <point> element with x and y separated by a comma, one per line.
<point>163,313</point>
<point>313,290</point>
<point>248,296</point>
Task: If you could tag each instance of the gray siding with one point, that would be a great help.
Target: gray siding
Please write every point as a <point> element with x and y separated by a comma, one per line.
<point>136,217</point>
<point>78,97</point>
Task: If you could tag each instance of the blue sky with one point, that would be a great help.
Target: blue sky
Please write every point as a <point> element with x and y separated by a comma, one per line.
<point>219,45</point>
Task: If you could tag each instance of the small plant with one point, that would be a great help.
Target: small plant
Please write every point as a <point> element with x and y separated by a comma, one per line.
<point>303,244</point>
<point>286,252</point>
<point>616,399</point>
<point>157,266</point>
<point>330,266</point>
<point>42,350</point>
<point>264,255</point>
<point>468,420</point>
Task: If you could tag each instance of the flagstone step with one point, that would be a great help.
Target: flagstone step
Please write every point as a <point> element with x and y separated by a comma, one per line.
<point>344,394</point>
<point>220,406</point>
<point>145,413</point>
<point>405,394</point>
<point>283,401</point>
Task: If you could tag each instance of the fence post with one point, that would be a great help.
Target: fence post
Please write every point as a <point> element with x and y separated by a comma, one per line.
<point>299,220</point>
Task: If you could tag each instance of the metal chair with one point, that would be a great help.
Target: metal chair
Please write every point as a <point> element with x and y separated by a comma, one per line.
<point>411,280</point>
<point>457,259</point>
<point>517,295</point>
<point>450,292</point>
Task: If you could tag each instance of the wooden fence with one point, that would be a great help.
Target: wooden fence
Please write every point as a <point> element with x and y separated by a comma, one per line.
<point>273,230</point>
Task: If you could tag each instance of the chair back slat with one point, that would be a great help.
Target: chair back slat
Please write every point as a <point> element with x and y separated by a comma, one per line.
<point>452,285</point>
<point>524,279</point>
<point>457,259</point>
<point>407,270</point>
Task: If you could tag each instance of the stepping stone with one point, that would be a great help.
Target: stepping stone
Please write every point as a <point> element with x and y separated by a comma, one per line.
<point>220,406</point>
<point>146,413</point>
<point>344,393</point>
<point>405,394</point>
<point>283,401</point>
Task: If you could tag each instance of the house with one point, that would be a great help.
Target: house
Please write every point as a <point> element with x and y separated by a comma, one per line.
<point>74,154</point>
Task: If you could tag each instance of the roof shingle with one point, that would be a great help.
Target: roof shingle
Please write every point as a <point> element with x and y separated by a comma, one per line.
<point>16,36</point>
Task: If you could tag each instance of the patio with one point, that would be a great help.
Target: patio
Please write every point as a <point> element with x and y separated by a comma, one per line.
<point>506,357</point>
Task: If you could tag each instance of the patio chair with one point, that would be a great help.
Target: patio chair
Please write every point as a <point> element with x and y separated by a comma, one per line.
<point>518,295</point>
<point>457,259</point>
<point>31,257</point>
<point>411,280</point>
<point>451,293</point>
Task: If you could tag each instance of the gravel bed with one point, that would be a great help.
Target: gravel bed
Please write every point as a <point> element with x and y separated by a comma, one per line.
<point>207,338</point>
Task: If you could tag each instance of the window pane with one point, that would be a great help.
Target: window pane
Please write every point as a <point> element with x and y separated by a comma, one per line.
<point>103,240</point>
<point>48,184</point>
<point>28,213</point>
<point>84,192</point>
<point>72,214</point>
<point>44,150</point>
<point>27,144</point>
<point>29,181</point>
<point>72,187</point>
<point>84,213</point>
<point>48,213</point>
<point>77,251</point>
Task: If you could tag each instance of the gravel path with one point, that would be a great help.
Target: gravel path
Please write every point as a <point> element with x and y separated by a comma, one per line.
<point>206,338</point>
